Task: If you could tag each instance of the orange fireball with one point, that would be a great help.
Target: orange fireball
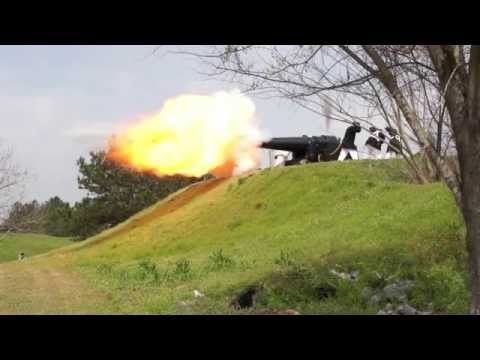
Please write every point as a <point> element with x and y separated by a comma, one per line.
<point>192,135</point>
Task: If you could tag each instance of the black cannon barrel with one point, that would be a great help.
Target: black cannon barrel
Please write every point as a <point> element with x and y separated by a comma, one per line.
<point>300,143</point>
<point>314,148</point>
<point>293,144</point>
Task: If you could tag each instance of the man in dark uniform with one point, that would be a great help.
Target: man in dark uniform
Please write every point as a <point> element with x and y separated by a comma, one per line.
<point>374,143</point>
<point>348,143</point>
<point>394,143</point>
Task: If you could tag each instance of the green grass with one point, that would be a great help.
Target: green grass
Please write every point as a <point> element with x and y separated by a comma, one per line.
<point>31,244</point>
<point>283,230</point>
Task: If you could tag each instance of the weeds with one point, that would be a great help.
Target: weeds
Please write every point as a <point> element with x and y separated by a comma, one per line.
<point>183,268</point>
<point>443,287</point>
<point>284,259</point>
<point>149,270</point>
<point>218,260</point>
<point>104,269</point>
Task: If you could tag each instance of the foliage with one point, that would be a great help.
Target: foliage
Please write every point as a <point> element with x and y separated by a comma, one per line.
<point>57,219</point>
<point>24,217</point>
<point>116,193</point>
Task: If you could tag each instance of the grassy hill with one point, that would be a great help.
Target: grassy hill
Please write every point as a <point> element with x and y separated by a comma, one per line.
<point>281,230</point>
<point>31,244</point>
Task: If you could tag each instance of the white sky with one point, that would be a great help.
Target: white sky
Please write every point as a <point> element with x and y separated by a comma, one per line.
<point>59,102</point>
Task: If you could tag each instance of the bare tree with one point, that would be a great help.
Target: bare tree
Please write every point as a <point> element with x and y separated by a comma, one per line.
<point>430,94</point>
<point>12,179</point>
<point>329,81</point>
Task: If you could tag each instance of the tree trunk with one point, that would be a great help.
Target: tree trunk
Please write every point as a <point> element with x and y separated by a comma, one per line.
<point>472,213</point>
<point>463,104</point>
<point>468,144</point>
<point>439,135</point>
<point>465,116</point>
<point>469,158</point>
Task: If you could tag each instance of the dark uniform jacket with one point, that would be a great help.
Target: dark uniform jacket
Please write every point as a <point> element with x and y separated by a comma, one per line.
<point>348,141</point>
<point>394,145</point>
<point>376,140</point>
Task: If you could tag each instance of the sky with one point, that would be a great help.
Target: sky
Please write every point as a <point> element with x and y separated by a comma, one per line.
<point>57,103</point>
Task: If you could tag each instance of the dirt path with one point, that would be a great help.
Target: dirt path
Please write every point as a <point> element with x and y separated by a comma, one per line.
<point>46,286</point>
<point>35,288</point>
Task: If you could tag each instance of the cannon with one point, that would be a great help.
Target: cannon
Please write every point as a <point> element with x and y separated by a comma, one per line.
<point>306,148</point>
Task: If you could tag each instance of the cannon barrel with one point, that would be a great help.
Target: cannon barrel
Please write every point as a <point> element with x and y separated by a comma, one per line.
<point>309,148</point>
<point>293,144</point>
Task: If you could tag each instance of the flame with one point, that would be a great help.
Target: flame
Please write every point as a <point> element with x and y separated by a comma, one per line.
<point>192,135</point>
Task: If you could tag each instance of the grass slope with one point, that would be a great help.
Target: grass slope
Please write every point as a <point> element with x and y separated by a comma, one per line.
<point>31,244</point>
<point>282,229</point>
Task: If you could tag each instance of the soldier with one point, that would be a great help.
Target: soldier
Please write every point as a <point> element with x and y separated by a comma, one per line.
<point>348,143</point>
<point>394,144</point>
<point>374,143</point>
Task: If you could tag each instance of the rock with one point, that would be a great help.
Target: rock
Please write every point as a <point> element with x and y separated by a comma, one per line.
<point>341,275</point>
<point>366,293</point>
<point>289,312</point>
<point>346,276</point>
<point>246,299</point>
<point>397,291</point>
<point>381,312</point>
<point>276,312</point>
<point>354,275</point>
<point>183,305</point>
<point>406,309</point>
<point>405,284</point>
<point>424,312</point>
<point>392,291</point>
<point>375,299</point>
<point>197,294</point>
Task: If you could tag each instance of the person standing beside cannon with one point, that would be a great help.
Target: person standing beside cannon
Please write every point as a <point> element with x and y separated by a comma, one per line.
<point>374,143</point>
<point>394,143</point>
<point>348,147</point>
